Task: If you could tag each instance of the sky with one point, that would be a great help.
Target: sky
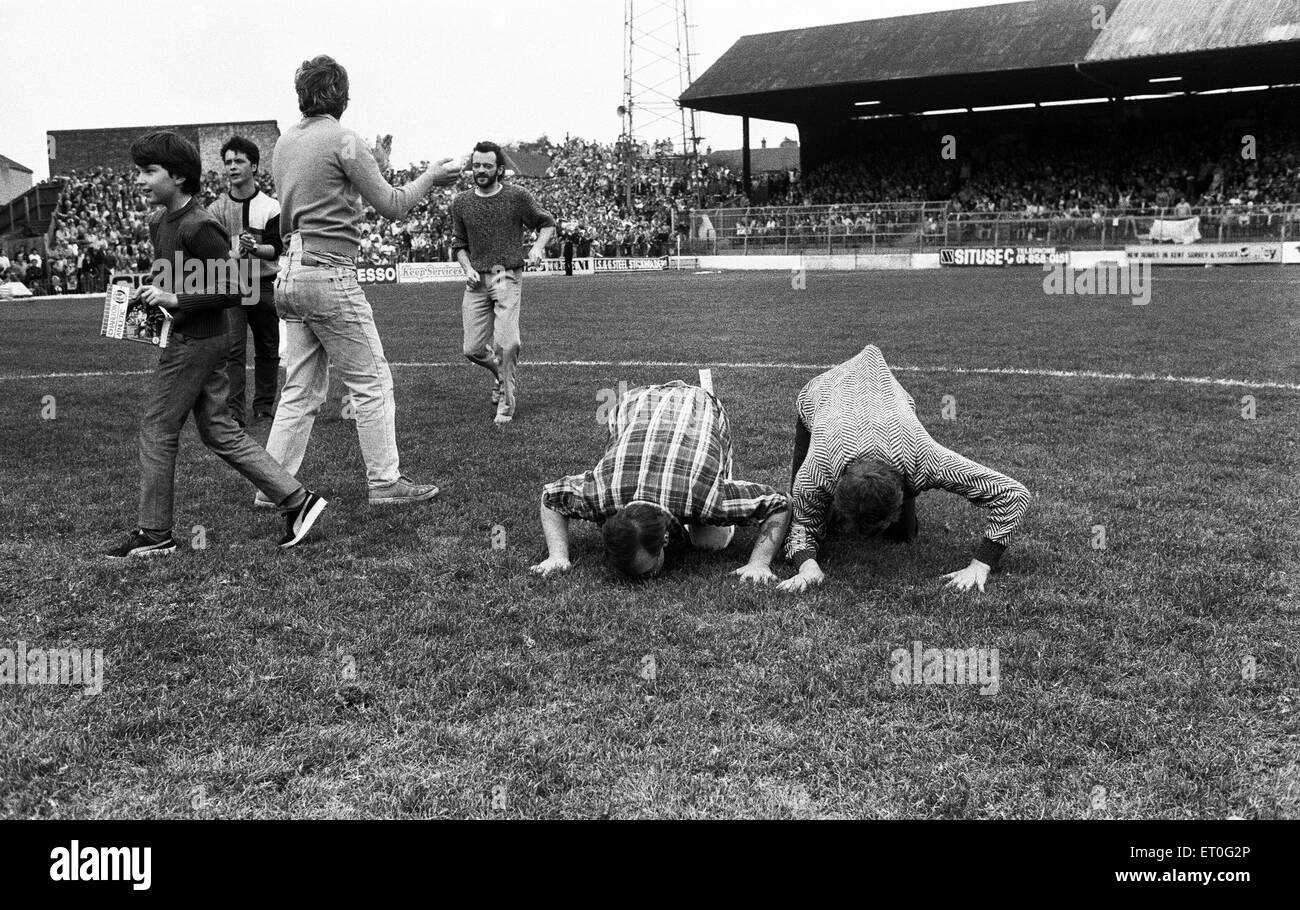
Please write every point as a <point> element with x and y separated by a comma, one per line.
<point>438,76</point>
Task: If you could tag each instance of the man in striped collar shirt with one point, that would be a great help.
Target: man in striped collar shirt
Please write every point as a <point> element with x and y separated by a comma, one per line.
<point>252,219</point>
<point>862,457</point>
<point>666,474</point>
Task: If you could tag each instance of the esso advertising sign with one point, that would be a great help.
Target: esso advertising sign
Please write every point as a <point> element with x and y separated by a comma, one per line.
<point>377,274</point>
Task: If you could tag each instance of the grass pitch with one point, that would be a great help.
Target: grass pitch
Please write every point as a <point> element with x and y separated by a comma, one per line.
<point>399,666</point>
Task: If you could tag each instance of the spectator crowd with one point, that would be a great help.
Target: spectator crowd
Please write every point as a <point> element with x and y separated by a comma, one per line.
<point>1051,171</point>
<point>585,188</point>
<point>102,220</point>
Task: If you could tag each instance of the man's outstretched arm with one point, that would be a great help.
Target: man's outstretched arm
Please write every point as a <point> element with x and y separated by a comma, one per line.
<point>771,535</point>
<point>1006,499</point>
<point>810,501</point>
<point>538,250</point>
<point>555,527</point>
<point>810,576</point>
<point>536,218</point>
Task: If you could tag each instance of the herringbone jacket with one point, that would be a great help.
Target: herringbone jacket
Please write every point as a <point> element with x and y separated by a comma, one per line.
<point>858,409</point>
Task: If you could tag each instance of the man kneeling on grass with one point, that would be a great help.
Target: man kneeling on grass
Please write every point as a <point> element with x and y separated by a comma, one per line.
<point>667,464</point>
<point>861,457</point>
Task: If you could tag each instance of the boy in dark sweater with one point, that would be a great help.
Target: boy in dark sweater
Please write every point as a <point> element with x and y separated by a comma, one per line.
<point>190,376</point>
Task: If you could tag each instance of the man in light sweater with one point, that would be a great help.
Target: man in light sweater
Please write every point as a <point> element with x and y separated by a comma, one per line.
<point>322,172</point>
<point>488,224</point>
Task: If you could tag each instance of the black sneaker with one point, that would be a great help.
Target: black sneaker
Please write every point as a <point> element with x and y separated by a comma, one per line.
<point>141,544</point>
<point>298,522</point>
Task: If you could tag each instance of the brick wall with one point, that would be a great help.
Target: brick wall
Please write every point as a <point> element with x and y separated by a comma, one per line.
<point>13,183</point>
<point>81,150</point>
<point>263,134</point>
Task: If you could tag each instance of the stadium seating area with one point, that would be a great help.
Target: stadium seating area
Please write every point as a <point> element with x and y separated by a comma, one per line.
<point>584,189</point>
<point>1151,165</point>
<point>102,221</point>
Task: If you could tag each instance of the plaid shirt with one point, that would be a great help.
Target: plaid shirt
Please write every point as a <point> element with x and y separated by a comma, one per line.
<point>669,445</point>
<point>858,409</point>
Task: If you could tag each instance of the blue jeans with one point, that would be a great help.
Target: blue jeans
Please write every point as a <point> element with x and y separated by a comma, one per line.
<point>328,322</point>
<point>490,316</point>
<point>191,376</point>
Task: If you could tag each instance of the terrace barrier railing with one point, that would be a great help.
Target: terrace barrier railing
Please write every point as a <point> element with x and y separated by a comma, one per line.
<point>925,226</point>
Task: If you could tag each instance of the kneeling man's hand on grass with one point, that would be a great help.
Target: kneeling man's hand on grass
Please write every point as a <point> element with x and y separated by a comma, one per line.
<point>758,573</point>
<point>810,576</point>
<point>551,566</point>
<point>555,527</point>
<point>974,575</point>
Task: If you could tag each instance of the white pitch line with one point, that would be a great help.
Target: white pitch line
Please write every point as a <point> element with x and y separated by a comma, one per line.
<point>1290,278</point>
<point>53,298</point>
<point>1122,377</point>
<point>76,375</point>
<point>695,365</point>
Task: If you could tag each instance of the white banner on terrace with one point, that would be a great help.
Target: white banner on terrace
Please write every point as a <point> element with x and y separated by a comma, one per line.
<point>630,264</point>
<point>1207,254</point>
<point>1182,230</point>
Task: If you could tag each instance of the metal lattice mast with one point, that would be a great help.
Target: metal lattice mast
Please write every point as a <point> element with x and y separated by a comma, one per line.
<point>656,71</point>
<point>689,132</point>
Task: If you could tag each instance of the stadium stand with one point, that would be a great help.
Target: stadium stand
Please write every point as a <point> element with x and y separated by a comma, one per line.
<point>582,184</point>
<point>26,227</point>
<point>95,221</point>
<point>1171,91</point>
<point>15,179</point>
<point>875,103</point>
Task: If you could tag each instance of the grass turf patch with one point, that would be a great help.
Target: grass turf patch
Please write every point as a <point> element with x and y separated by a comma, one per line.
<point>397,665</point>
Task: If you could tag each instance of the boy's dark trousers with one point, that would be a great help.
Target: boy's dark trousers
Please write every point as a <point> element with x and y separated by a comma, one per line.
<point>265,323</point>
<point>191,376</point>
